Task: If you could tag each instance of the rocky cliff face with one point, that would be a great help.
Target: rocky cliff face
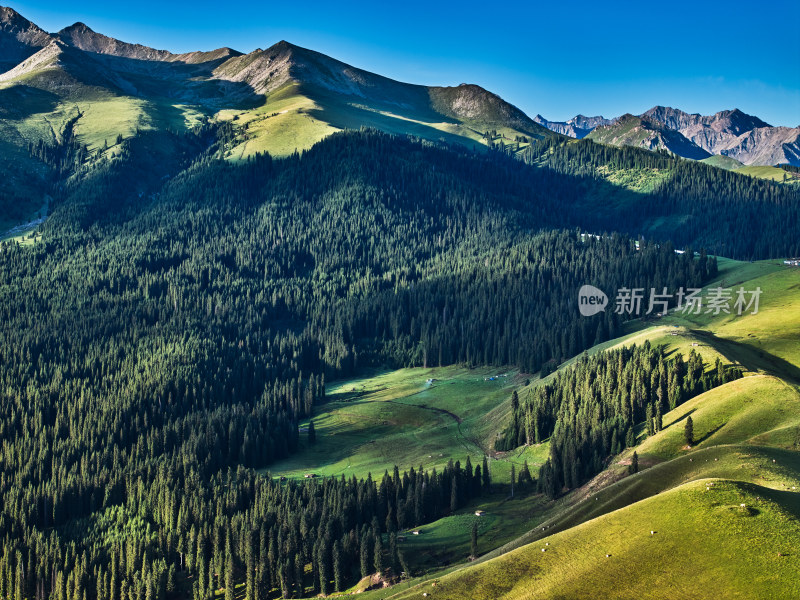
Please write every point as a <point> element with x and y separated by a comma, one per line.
<point>733,133</point>
<point>19,39</point>
<point>767,146</point>
<point>82,37</point>
<point>642,132</point>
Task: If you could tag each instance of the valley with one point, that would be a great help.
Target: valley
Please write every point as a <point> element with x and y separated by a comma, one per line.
<point>748,432</point>
<point>277,326</point>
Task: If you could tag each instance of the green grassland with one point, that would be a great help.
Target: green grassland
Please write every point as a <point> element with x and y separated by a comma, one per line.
<point>371,424</point>
<point>294,118</point>
<point>723,162</point>
<point>746,450</point>
<point>706,544</point>
<point>447,541</point>
<point>742,411</point>
<point>641,180</point>
<point>767,172</point>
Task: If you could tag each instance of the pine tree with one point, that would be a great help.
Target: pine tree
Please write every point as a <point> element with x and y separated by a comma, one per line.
<point>634,467</point>
<point>403,564</point>
<point>487,477</point>
<point>312,434</point>
<point>474,540</point>
<point>378,563</point>
<point>365,554</point>
<point>454,495</point>
<point>688,431</point>
<point>525,474</point>
<point>229,582</point>
<point>338,567</point>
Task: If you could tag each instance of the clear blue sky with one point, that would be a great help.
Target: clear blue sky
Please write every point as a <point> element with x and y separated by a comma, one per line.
<point>559,58</point>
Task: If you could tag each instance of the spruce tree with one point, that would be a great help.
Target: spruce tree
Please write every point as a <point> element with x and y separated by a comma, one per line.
<point>688,431</point>
<point>634,467</point>
<point>338,567</point>
<point>474,540</point>
<point>454,495</point>
<point>378,562</point>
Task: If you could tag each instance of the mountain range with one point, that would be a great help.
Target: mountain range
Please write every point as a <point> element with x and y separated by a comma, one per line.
<point>745,139</point>
<point>287,98</point>
<point>237,288</point>
<point>578,126</point>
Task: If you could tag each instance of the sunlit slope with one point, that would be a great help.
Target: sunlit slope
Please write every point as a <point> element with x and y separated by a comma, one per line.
<point>410,418</point>
<point>745,451</point>
<point>733,541</point>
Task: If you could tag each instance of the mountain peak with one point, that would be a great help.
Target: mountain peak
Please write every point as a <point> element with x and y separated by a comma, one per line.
<point>77,26</point>
<point>283,44</point>
<point>13,22</point>
<point>645,131</point>
<point>578,126</point>
<point>19,38</point>
<point>9,16</point>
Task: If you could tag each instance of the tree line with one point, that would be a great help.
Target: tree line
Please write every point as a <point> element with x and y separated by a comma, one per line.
<point>181,316</point>
<point>591,411</point>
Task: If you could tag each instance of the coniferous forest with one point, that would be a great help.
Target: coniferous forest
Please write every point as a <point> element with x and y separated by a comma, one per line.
<point>591,411</point>
<point>181,315</point>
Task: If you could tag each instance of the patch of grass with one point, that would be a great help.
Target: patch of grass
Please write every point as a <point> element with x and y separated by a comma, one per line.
<point>371,424</point>
<point>739,547</point>
<point>767,172</point>
<point>734,413</point>
<point>280,126</point>
<point>764,341</point>
<point>722,162</point>
<point>641,180</point>
<point>448,540</point>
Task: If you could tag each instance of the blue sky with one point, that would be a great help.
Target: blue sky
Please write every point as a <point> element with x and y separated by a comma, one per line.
<point>558,59</point>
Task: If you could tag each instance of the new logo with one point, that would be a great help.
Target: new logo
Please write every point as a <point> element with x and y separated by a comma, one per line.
<point>591,300</point>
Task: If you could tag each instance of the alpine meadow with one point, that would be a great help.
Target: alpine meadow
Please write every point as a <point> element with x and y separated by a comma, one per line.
<point>275,326</point>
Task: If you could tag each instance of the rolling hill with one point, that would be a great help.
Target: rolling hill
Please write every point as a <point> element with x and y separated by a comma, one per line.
<point>727,509</point>
<point>216,345</point>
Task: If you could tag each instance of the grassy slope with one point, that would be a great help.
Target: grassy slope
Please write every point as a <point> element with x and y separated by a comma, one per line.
<point>699,535</point>
<point>766,172</point>
<point>370,424</point>
<point>746,434</point>
<point>723,162</point>
<point>295,119</point>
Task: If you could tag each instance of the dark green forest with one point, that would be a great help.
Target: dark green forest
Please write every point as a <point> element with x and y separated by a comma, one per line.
<point>696,204</point>
<point>181,315</point>
<point>590,412</point>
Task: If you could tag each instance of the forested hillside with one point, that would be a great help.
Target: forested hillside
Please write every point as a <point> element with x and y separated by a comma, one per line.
<point>667,197</point>
<point>167,332</point>
<point>590,412</point>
